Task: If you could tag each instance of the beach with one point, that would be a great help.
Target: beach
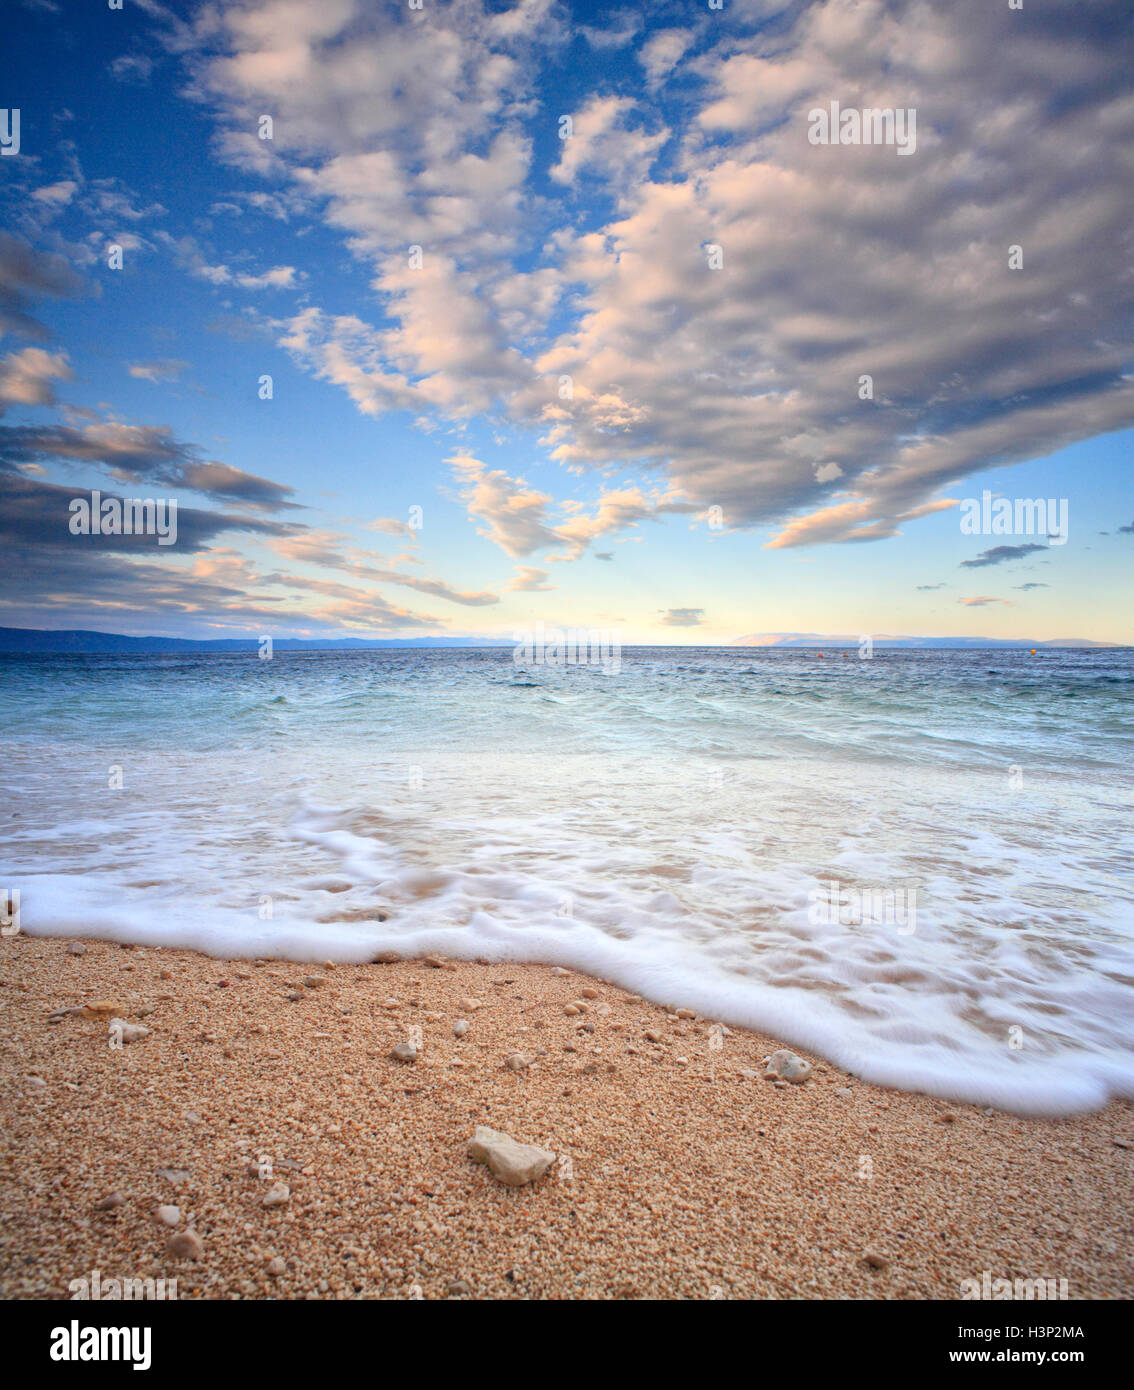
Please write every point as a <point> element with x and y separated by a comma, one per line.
<point>679,1171</point>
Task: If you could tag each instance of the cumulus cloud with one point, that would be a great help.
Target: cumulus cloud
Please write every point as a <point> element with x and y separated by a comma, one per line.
<point>683,617</point>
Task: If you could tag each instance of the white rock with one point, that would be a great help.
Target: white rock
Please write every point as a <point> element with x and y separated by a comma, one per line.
<point>127,1032</point>
<point>278,1195</point>
<point>404,1052</point>
<point>460,1028</point>
<point>513,1163</point>
<point>783,1065</point>
<point>169,1216</point>
<point>76,948</point>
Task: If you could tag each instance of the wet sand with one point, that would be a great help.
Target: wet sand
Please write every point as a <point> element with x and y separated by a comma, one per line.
<point>677,1175</point>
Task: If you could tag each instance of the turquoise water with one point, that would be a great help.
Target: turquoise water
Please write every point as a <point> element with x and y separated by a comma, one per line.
<point>675,825</point>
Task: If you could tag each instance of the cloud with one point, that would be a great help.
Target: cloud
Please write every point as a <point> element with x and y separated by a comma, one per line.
<point>516,517</point>
<point>27,274</point>
<point>530,580</point>
<point>925,588</point>
<point>981,600</point>
<point>683,617</point>
<point>138,453</point>
<point>1034,585</point>
<point>999,554</point>
<point>169,369</point>
<point>26,377</point>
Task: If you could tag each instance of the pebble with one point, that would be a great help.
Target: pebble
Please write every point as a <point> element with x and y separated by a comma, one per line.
<point>654,1036</point>
<point>76,948</point>
<point>278,1195</point>
<point>843,1091</point>
<point>110,1201</point>
<point>404,1052</point>
<point>457,1287</point>
<point>519,1061</point>
<point>513,1163</point>
<point>185,1245</point>
<point>276,1267</point>
<point>874,1260</point>
<point>589,992</point>
<point>470,1006</point>
<point>686,1013</point>
<point>571,1009</point>
<point>315,981</point>
<point>101,1008</point>
<point>127,1032</point>
<point>558,970</point>
<point>783,1065</point>
<point>460,1028</point>
<point>169,1216</point>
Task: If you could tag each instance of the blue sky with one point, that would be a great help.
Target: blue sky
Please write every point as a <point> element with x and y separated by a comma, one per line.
<point>712,470</point>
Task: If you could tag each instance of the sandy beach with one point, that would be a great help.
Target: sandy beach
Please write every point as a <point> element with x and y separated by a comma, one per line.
<point>679,1173</point>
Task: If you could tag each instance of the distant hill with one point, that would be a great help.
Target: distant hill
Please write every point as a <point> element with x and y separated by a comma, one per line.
<point>30,640</point>
<point>815,639</point>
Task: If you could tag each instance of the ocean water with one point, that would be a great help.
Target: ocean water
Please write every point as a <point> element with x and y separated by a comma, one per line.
<point>675,826</point>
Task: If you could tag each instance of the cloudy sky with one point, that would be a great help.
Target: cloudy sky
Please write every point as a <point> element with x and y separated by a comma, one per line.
<point>565,317</point>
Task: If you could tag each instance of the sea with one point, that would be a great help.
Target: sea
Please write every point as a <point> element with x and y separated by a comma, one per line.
<point>916,864</point>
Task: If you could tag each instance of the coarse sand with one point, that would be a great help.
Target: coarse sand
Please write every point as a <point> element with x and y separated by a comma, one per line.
<point>680,1172</point>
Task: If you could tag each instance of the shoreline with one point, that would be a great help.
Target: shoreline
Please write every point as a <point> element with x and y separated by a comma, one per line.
<point>680,1171</point>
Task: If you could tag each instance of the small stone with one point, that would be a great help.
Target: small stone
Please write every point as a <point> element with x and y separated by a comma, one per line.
<point>571,1010</point>
<point>127,1032</point>
<point>558,971</point>
<point>276,1267</point>
<point>315,981</point>
<point>654,1036</point>
<point>749,1075</point>
<point>435,962</point>
<point>294,996</point>
<point>589,992</point>
<point>874,1260</point>
<point>76,948</point>
<point>110,1201</point>
<point>686,1013</point>
<point>682,1061</point>
<point>580,1006</point>
<point>101,1008</point>
<point>513,1163</point>
<point>176,1176</point>
<point>843,1091</point>
<point>783,1065</point>
<point>278,1195</point>
<point>1123,1144</point>
<point>460,1028</point>
<point>165,975</point>
<point>470,1006</point>
<point>457,1287</point>
<point>518,1061</point>
<point>404,1052</point>
<point>947,1118</point>
<point>386,958</point>
<point>185,1245</point>
<point>169,1216</point>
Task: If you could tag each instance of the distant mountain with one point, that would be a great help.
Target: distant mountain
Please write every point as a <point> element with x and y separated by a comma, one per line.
<point>30,640</point>
<point>816,639</point>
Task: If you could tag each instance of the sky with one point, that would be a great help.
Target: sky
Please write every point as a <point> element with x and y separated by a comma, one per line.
<point>463,317</point>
